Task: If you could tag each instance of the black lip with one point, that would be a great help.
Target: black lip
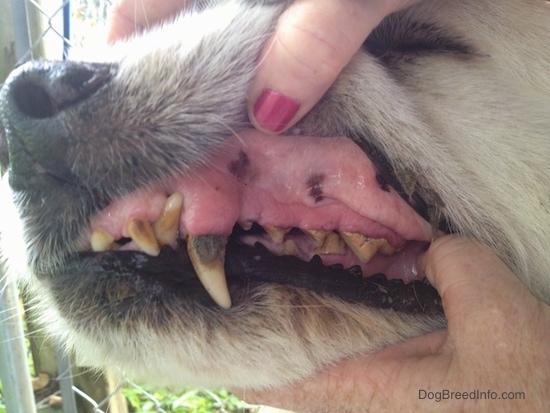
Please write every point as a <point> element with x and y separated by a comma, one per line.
<point>245,267</point>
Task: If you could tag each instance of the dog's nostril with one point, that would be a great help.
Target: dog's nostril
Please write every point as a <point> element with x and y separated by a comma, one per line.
<point>33,100</point>
<point>42,89</point>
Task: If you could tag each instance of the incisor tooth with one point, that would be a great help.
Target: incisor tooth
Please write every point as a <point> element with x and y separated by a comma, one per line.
<point>167,225</point>
<point>366,248</point>
<point>246,225</point>
<point>142,234</point>
<point>318,236</point>
<point>332,244</point>
<point>276,234</point>
<point>207,254</point>
<point>101,240</point>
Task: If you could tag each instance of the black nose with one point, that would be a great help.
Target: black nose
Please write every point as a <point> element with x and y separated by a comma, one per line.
<point>32,103</point>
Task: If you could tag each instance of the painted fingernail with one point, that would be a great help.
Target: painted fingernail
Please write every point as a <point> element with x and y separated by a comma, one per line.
<point>273,110</point>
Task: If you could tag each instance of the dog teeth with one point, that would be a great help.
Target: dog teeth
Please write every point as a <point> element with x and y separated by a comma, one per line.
<point>366,248</point>
<point>318,236</point>
<point>167,225</point>
<point>246,225</point>
<point>143,235</point>
<point>207,254</point>
<point>332,244</point>
<point>101,240</point>
<point>276,234</point>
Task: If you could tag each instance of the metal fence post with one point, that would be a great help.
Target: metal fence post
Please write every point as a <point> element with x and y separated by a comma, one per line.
<point>14,368</point>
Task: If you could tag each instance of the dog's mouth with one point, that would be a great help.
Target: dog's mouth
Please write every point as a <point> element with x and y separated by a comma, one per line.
<point>298,211</point>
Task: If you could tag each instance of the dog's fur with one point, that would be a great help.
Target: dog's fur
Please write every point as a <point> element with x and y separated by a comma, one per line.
<point>455,93</point>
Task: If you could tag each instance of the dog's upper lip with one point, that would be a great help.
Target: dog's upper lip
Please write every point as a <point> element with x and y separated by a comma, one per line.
<point>282,181</point>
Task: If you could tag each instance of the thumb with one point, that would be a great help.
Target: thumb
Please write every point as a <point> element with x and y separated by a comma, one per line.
<point>470,278</point>
<point>313,43</point>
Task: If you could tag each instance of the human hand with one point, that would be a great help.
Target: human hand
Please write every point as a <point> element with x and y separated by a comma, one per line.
<point>313,42</point>
<point>497,341</point>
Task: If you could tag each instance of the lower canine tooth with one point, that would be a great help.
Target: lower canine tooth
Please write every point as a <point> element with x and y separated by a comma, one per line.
<point>366,248</point>
<point>101,240</point>
<point>142,234</point>
<point>207,254</point>
<point>167,225</point>
<point>332,244</point>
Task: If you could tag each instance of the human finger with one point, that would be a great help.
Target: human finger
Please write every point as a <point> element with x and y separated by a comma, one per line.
<point>313,42</point>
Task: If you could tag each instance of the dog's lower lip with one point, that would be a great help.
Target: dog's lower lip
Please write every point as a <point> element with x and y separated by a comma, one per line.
<point>248,266</point>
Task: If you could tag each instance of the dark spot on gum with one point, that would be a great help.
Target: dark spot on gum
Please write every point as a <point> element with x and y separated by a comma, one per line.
<point>315,187</point>
<point>382,182</point>
<point>239,168</point>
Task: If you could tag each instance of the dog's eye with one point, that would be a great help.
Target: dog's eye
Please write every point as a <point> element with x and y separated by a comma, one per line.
<point>399,36</point>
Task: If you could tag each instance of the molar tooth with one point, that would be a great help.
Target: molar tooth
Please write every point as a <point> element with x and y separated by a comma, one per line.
<point>386,248</point>
<point>318,236</point>
<point>142,234</point>
<point>290,248</point>
<point>207,254</point>
<point>167,225</point>
<point>276,234</point>
<point>332,244</point>
<point>366,248</point>
<point>101,240</point>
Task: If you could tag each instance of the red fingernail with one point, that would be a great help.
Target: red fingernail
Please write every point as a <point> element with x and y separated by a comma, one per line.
<point>273,111</point>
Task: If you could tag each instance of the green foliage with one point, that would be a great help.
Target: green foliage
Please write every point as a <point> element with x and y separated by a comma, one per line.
<point>2,405</point>
<point>188,401</point>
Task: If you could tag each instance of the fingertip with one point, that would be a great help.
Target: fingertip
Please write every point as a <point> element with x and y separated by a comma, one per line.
<point>313,42</point>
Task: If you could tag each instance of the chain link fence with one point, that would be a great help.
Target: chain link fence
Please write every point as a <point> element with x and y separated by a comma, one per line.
<point>34,375</point>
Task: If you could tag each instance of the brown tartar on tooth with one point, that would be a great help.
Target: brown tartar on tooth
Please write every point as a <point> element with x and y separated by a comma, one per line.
<point>207,254</point>
<point>166,227</point>
<point>318,236</point>
<point>332,244</point>
<point>276,234</point>
<point>290,248</point>
<point>143,235</point>
<point>365,248</point>
<point>101,240</point>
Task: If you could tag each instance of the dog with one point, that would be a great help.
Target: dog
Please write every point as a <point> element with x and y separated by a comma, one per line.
<point>162,236</point>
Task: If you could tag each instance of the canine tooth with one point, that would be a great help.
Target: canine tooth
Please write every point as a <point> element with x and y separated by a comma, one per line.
<point>101,240</point>
<point>332,244</point>
<point>167,225</point>
<point>318,236</point>
<point>207,254</point>
<point>366,248</point>
<point>142,234</point>
<point>276,234</point>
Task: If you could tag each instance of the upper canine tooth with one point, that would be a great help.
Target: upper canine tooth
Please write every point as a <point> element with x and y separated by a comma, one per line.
<point>167,225</point>
<point>318,236</point>
<point>276,234</point>
<point>365,248</point>
<point>142,234</point>
<point>332,244</point>
<point>101,240</point>
<point>207,254</point>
